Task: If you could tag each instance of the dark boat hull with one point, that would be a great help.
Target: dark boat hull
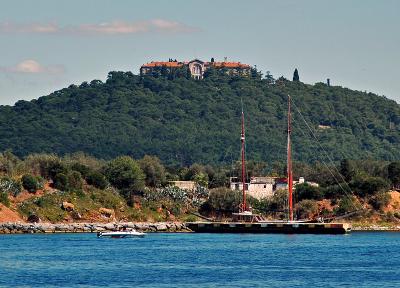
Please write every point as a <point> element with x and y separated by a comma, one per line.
<point>267,227</point>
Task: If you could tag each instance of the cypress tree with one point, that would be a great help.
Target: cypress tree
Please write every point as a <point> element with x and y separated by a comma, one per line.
<point>296,77</point>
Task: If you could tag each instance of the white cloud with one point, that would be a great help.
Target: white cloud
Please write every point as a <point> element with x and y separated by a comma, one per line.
<point>9,27</point>
<point>116,27</point>
<point>107,28</point>
<point>33,67</point>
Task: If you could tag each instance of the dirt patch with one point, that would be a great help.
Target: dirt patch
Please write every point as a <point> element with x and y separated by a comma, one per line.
<point>8,215</point>
<point>394,205</point>
<point>25,195</point>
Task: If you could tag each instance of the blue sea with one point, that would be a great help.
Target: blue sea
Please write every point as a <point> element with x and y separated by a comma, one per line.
<point>360,259</point>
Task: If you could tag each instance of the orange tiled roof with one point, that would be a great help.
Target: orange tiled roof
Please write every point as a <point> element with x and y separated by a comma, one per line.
<point>180,64</point>
<point>229,64</point>
<point>160,64</point>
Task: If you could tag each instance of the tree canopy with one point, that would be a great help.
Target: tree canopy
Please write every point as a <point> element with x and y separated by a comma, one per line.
<point>183,121</point>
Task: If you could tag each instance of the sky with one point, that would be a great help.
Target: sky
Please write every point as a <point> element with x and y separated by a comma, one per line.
<point>46,45</point>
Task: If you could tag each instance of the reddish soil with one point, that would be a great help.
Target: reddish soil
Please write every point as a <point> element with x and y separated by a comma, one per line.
<point>394,205</point>
<point>8,215</point>
<point>25,195</point>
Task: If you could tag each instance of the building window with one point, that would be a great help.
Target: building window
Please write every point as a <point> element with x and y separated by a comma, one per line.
<point>196,70</point>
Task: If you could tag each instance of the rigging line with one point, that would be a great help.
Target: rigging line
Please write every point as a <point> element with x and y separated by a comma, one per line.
<point>327,156</point>
<point>330,170</point>
<point>319,143</point>
<point>337,181</point>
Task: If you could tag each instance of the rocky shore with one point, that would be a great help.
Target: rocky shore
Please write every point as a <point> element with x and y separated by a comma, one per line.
<point>27,228</point>
<point>376,228</point>
<point>22,228</point>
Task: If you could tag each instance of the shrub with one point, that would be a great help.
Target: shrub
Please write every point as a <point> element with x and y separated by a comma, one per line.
<point>30,183</point>
<point>4,199</point>
<point>10,186</point>
<point>306,209</point>
<point>369,185</point>
<point>346,204</point>
<point>306,191</point>
<point>9,163</point>
<point>125,174</point>
<point>278,202</point>
<point>57,168</point>
<point>97,180</point>
<point>75,181</point>
<point>154,170</point>
<point>170,192</point>
<point>334,191</point>
<point>61,182</point>
<point>41,164</point>
<point>225,200</point>
<point>380,200</point>
<point>83,169</point>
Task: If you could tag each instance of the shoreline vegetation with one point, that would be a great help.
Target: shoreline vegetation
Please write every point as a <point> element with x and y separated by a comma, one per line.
<point>78,188</point>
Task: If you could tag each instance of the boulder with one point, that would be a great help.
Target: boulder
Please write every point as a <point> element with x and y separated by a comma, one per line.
<point>33,219</point>
<point>161,227</point>
<point>110,226</point>
<point>106,212</point>
<point>76,216</point>
<point>67,206</point>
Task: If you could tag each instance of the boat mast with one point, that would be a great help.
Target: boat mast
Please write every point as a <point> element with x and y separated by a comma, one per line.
<point>242,139</point>
<point>289,164</point>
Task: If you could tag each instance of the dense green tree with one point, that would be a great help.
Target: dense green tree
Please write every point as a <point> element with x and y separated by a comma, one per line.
<point>42,164</point>
<point>82,169</point>
<point>124,173</point>
<point>30,183</point>
<point>364,186</point>
<point>394,173</point>
<point>201,179</point>
<point>9,163</point>
<point>296,77</point>
<point>75,181</point>
<point>306,209</point>
<point>61,182</point>
<point>347,170</point>
<point>224,201</point>
<point>306,191</point>
<point>4,199</point>
<point>183,121</point>
<point>97,179</point>
<point>346,204</point>
<point>153,170</point>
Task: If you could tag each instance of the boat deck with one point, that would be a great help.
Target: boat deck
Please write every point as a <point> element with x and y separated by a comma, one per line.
<point>269,227</point>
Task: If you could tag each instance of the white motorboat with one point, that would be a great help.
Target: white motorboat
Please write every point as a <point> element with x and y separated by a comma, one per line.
<point>121,234</point>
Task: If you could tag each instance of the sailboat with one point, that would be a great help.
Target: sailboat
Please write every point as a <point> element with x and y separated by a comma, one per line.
<point>244,221</point>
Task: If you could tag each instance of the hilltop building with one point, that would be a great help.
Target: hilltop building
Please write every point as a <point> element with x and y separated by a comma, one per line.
<point>196,67</point>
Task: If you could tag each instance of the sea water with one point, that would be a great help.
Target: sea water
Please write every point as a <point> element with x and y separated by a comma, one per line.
<point>363,259</point>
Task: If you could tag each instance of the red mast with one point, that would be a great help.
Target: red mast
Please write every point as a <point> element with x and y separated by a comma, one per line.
<point>289,164</point>
<point>242,138</point>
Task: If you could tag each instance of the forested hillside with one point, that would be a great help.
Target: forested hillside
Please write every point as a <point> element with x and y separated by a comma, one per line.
<point>183,121</point>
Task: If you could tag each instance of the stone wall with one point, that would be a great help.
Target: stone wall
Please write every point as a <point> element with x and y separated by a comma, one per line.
<point>21,228</point>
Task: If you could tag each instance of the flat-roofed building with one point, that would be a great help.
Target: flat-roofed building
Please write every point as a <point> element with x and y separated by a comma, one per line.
<point>186,185</point>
